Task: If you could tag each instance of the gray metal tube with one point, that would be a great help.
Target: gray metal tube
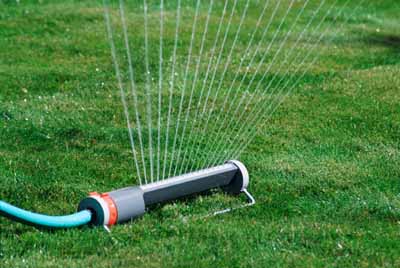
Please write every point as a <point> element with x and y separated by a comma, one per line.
<point>129,202</point>
<point>228,176</point>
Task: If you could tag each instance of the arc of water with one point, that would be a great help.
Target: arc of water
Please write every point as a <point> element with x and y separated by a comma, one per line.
<point>171,87</point>
<point>184,87</point>
<point>188,148</point>
<point>133,85</point>
<point>120,84</point>
<point>229,58</point>
<point>283,97</point>
<point>258,87</point>
<point>265,54</point>
<point>219,57</point>
<point>258,47</point>
<point>259,112</point>
<point>253,133</point>
<point>195,79</point>
<point>227,63</point>
<point>310,50</point>
<point>148,89</point>
<point>213,49</point>
<point>160,84</point>
<point>262,112</point>
<point>232,115</point>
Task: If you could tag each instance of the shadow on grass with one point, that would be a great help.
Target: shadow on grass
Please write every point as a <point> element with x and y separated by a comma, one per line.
<point>382,49</point>
<point>390,41</point>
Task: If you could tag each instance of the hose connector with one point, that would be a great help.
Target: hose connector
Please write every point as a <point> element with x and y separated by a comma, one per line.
<point>114,207</point>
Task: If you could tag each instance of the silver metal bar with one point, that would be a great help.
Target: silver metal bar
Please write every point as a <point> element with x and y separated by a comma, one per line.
<point>189,177</point>
<point>191,183</point>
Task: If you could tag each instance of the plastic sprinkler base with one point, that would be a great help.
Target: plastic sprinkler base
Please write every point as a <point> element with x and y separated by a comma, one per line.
<point>129,203</point>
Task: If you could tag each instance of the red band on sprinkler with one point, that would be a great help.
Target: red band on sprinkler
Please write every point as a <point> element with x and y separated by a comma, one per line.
<point>112,209</point>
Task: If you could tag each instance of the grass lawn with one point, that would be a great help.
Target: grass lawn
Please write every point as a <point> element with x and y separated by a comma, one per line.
<point>325,168</point>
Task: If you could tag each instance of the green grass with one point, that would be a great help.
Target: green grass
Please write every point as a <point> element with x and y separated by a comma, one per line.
<point>325,169</point>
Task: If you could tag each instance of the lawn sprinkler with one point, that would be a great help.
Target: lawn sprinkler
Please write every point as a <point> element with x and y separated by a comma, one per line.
<point>129,203</point>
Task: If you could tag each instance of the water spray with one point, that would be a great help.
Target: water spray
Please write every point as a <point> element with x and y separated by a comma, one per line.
<point>126,204</point>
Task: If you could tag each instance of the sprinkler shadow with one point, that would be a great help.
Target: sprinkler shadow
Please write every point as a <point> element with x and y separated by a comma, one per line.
<point>382,49</point>
<point>390,41</point>
<point>157,210</point>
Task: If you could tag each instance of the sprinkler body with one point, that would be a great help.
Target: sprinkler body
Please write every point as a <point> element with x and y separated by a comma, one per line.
<point>128,203</point>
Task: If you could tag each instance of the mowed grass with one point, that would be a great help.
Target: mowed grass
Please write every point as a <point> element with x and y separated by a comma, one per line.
<point>325,168</point>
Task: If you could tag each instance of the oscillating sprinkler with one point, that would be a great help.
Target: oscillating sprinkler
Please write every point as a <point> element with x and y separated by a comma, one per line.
<point>129,203</point>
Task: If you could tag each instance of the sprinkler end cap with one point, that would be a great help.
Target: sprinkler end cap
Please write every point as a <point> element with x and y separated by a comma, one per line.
<point>240,181</point>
